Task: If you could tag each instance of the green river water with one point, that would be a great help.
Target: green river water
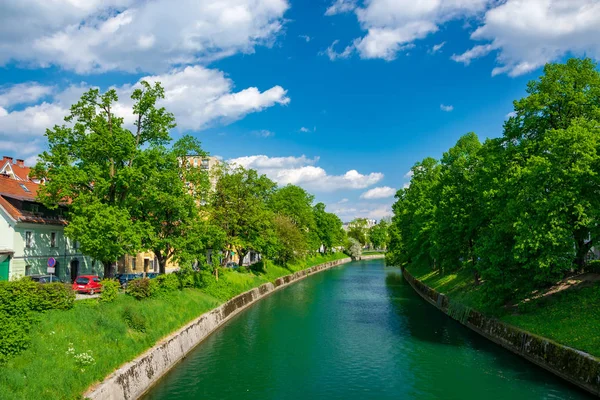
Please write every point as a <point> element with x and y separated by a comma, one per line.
<point>353,332</point>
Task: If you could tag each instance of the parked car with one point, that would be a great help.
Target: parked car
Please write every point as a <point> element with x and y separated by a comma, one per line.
<point>152,275</point>
<point>125,278</point>
<point>232,264</point>
<point>87,284</point>
<point>45,278</point>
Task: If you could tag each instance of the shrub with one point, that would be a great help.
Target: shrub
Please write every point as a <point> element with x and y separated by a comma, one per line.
<point>353,248</point>
<point>53,296</point>
<point>141,288</point>
<point>110,290</point>
<point>134,319</point>
<point>593,266</point>
<point>167,283</point>
<point>18,301</point>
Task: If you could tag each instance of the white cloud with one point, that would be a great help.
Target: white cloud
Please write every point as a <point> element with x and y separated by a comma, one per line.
<point>23,93</point>
<point>333,55</point>
<point>302,171</point>
<point>446,108</point>
<point>340,7</point>
<point>264,133</point>
<point>306,130</point>
<point>361,210</point>
<point>393,25</point>
<point>303,129</point>
<point>475,52</point>
<point>199,98</point>
<point>409,174</point>
<point>134,35</point>
<point>406,185</point>
<point>378,193</point>
<point>437,47</point>
<point>305,37</point>
<point>511,114</point>
<point>528,34</point>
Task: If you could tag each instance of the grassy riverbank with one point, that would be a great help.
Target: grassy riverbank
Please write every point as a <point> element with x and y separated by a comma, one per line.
<point>569,317</point>
<point>70,350</point>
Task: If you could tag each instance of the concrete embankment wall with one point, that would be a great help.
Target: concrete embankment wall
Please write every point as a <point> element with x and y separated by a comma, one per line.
<point>136,377</point>
<point>575,366</point>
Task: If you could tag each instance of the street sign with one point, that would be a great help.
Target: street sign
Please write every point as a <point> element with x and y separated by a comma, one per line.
<point>51,265</point>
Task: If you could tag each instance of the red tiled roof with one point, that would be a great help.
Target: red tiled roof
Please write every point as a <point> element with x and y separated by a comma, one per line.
<point>21,172</point>
<point>12,195</point>
<point>18,189</point>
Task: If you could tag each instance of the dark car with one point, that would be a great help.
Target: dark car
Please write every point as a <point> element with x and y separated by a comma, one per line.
<point>45,278</point>
<point>232,264</point>
<point>124,278</point>
<point>152,275</point>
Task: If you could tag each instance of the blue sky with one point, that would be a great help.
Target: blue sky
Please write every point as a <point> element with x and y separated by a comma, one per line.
<point>341,97</point>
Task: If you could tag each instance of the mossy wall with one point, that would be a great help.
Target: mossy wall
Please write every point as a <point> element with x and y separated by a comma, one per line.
<point>575,366</point>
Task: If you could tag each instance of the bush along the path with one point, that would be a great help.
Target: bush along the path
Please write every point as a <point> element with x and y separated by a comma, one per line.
<point>110,290</point>
<point>20,302</point>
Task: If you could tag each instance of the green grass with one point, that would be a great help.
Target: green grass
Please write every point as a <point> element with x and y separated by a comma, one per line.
<point>107,331</point>
<point>47,371</point>
<point>570,317</point>
<point>372,252</point>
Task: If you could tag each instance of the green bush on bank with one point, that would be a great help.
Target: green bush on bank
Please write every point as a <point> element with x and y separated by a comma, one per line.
<point>141,288</point>
<point>110,290</point>
<point>20,301</point>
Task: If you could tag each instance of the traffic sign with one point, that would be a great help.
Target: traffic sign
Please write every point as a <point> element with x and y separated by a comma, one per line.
<point>51,265</point>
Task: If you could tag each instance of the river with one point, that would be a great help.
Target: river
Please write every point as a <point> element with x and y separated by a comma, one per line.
<point>353,332</point>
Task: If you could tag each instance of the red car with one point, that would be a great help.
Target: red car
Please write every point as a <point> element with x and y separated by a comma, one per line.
<point>87,284</point>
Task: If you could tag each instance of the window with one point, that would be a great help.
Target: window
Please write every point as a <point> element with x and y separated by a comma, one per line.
<point>28,270</point>
<point>76,245</point>
<point>53,239</point>
<point>28,239</point>
<point>133,263</point>
<point>24,188</point>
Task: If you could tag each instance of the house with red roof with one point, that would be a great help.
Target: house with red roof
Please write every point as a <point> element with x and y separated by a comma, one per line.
<point>16,170</point>
<point>32,235</point>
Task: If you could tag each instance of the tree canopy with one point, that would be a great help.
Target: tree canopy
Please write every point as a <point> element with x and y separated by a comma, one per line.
<point>521,210</point>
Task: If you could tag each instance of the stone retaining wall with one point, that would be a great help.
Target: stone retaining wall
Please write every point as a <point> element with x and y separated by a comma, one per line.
<point>136,377</point>
<point>575,366</point>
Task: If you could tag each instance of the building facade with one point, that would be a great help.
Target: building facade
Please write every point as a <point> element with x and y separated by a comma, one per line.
<point>32,236</point>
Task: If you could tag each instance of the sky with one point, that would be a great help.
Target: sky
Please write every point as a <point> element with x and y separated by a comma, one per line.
<point>341,97</point>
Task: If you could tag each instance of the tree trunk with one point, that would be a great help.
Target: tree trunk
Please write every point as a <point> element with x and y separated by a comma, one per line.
<point>107,269</point>
<point>162,264</point>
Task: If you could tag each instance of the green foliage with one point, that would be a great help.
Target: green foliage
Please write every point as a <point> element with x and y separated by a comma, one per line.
<point>291,242</point>
<point>95,166</point>
<point>52,296</point>
<point>353,248</point>
<point>593,266</point>
<point>359,230</point>
<point>167,283</point>
<point>141,288</point>
<point>239,208</point>
<point>110,290</point>
<point>329,232</point>
<point>19,301</point>
<point>378,235</point>
<point>518,212</point>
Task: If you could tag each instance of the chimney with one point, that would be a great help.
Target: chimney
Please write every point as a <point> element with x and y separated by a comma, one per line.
<point>9,159</point>
<point>21,163</point>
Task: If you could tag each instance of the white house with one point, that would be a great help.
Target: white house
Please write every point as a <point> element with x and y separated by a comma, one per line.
<point>31,234</point>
